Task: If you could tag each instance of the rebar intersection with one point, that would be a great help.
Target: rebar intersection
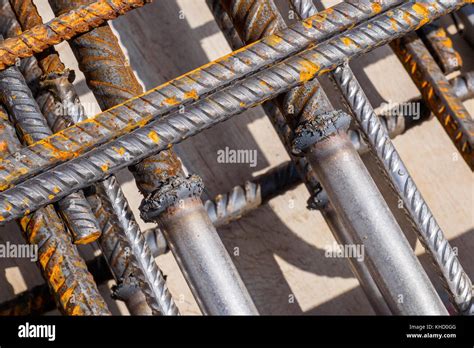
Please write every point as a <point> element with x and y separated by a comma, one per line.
<point>139,131</point>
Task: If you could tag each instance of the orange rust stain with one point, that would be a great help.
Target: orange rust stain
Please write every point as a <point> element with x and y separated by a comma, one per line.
<point>308,70</point>
<point>45,256</point>
<point>8,207</point>
<point>56,189</point>
<point>89,239</point>
<point>154,137</point>
<point>120,151</point>
<point>422,11</point>
<point>51,197</point>
<point>3,146</point>
<point>192,94</point>
<point>273,40</point>
<point>394,24</point>
<point>376,7</point>
<point>104,167</point>
<point>171,101</point>
<point>308,23</point>
<point>347,41</point>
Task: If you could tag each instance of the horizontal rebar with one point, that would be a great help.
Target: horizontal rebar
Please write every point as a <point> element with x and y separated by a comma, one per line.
<point>42,36</point>
<point>183,90</point>
<point>158,135</point>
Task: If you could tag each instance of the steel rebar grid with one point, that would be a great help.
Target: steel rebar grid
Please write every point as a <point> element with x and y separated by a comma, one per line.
<point>441,47</point>
<point>189,87</point>
<point>63,28</point>
<point>115,217</point>
<point>64,270</point>
<point>113,82</point>
<point>430,234</point>
<point>305,106</point>
<point>264,15</point>
<point>437,93</point>
<point>158,135</point>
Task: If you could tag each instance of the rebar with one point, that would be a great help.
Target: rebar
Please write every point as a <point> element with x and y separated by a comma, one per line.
<point>303,102</point>
<point>113,82</point>
<point>437,93</point>
<point>56,89</point>
<point>159,134</point>
<point>441,47</point>
<point>42,36</point>
<point>64,270</point>
<point>32,126</point>
<point>428,230</point>
<point>174,95</point>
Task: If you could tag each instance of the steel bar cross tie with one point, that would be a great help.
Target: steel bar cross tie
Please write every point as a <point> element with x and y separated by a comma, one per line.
<point>189,87</point>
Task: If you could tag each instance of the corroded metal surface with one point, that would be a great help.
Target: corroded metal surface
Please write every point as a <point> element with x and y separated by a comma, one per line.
<point>159,134</point>
<point>437,93</point>
<point>183,90</point>
<point>42,36</point>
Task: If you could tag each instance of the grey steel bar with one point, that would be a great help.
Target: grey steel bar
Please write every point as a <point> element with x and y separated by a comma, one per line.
<point>172,96</point>
<point>112,81</point>
<point>159,134</point>
<point>363,211</point>
<point>198,248</point>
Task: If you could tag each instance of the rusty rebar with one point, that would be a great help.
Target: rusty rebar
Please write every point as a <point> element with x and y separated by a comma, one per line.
<point>437,93</point>
<point>217,107</point>
<point>113,82</point>
<point>65,272</point>
<point>189,87</point>
<point>42,36</point>
<point>441,47</point>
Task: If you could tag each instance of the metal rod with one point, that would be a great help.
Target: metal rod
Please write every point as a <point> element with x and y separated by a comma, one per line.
<point>437,93</point>
<point>65,272</point>
<point>395,269</point>
<point>32,126</point>
<point>63,28</point>
<point>441,47</point>
<point>171,96</point>
<point>113,82</point>
<point>116,219</point>
<point>197,247</point>
<point>157,135</point>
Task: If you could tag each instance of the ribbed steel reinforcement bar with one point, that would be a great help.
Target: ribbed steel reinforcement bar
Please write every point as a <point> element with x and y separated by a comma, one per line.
<point>32,126</point>
<point>437,93</point>
<point>430,234</point>
<point>428,230</point>
<point>441,47</point>
<point>305,106</point>
<point>63,269</point>
<point>113,82</point>
<point>183,90</point>
<point>115,217</point>
<point>62,28</point>
<point>265,15</point>
<point>219,106</point>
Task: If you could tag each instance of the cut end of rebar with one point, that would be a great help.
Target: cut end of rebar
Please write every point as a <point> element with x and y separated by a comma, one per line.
<point>318,128</point>
<point>170,193</point>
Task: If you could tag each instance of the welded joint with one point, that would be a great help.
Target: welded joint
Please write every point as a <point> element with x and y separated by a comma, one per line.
<point>318,128</point>
<point>169,194</point>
